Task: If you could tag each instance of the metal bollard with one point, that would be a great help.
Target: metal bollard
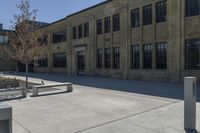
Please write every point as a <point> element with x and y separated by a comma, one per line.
<point>190,103</point>
<point>5,119</point>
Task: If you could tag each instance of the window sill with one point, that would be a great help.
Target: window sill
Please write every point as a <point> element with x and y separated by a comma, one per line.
<point>189,17</point>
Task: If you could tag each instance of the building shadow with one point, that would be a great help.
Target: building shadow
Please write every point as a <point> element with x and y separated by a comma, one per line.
<point>151,88</point>
<point>191,131</point>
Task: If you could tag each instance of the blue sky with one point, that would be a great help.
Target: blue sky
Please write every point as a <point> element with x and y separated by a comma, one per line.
<point>48,10</point>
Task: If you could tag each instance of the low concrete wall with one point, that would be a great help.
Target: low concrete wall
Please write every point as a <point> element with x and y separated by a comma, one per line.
<point>6,83</point>
<point>5,119</point>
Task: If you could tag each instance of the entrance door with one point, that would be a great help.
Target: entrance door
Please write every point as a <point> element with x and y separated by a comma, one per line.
<point>80,63</point>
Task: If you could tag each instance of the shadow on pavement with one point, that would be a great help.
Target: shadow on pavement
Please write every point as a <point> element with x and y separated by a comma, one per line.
<point>159,89</point>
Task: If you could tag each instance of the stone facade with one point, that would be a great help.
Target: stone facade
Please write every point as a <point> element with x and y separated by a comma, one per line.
<point>174,32</point>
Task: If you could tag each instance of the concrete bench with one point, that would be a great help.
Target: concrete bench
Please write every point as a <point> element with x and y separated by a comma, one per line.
<point>5,119</point>
<point>69,87</point>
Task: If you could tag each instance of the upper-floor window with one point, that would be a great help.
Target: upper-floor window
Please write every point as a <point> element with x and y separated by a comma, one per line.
<point>161,11</point>
<point>107,24</point>
<point>116,58</point>
<point>192,7</point>
<point>116,22</point>
<point>59,36</point>
<point>107,57</point>
<point>99,26</point>
<point>147,56</point>
<point>74,32</point>
<point>192,54</point>
<point>147,15</point>
<point>135,18</point>
<point>59,60</point>
<point>135,57</point>
<point>80,31</point>
<point>99,58</point>
<point>86,30</point>
<point>3,39</point>
<point>161,55</point>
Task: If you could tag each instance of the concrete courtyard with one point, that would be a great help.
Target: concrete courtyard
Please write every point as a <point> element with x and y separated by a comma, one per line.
<point>100,105</point>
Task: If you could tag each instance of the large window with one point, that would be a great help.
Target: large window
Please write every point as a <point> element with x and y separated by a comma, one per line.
<point>99,58</point>
<point>147,15</point>
<point>135,57</point>
<point>192,54</point>
<point>74,32</point>
<point>161,55</point>
<point>43,62</point>
<point>3,39</point>
<point>59,36</point>
<point>147,56</point>
<point>80,31</point>
<point>107,57</point>
<point>192,7</point>
<point>99,26</point>
<point>135,18</point>
<point>116,58</point>
<point>116,22</point>
<point>107,24</point>
<point>59,60</point>
<point>161,11</point>
<point>86,30</point>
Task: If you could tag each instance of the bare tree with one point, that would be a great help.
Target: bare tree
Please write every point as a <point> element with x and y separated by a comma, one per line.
<point>27,38</point>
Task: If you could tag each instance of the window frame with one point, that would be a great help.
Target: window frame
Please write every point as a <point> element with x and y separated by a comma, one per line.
<point>99,58</point>
<point>116,58</point>
<point>107,59</point>
<point>147,15</point>
<point>107,25</point>
<point>55,65</point>
<point>99,27</point>
<point>135,15</point>
<point>161,55</point>
<point>161,11</point>
<point>63,38</point>
<point>116,22</point>
<point>135,56</point>
<point>148,56</point>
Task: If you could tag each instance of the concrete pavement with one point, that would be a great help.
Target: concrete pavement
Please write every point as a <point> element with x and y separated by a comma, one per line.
<point>100,105</point>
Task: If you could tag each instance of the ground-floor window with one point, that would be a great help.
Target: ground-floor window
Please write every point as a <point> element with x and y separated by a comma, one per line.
<point>99,58</point>
<point>59,60</point>
<point>107,57</point>
<point>43,62</point>
<point>147,56</point>
<point>192,54</point>
<point>116,58</point>
<point>161,55</point>
<point>135,57</point>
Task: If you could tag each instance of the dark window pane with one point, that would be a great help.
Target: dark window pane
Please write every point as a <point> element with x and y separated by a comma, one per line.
<point>59,60</point>
<point>59,36</point>
<point>147,15</point>
<point>86,30</point>
<point>192,54</point>
<point>80,31</point>
<point>116,58</point>
<point>161,11</point>
<point>107,24</point>
<point>107,58</point>
<point>192,7</point>
<point>161,55</point>
<point>99,26</point>
<point>43,62</point>
<point>135,17</point>
<point>116,22</point>
<point>135,57</point>
<point>99,58</point>
<point>74,32</point>
<point>147,56</point>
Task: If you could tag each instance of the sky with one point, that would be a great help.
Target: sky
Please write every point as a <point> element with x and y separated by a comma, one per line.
<point>48,10</point>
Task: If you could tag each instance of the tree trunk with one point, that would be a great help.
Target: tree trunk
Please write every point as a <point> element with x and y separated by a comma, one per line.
<point>26,75</point>
<point>26,87</point>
